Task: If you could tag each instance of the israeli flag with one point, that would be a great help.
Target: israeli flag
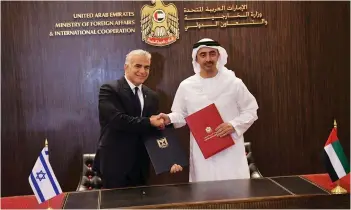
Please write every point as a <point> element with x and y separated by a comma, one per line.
<point>42,178</point>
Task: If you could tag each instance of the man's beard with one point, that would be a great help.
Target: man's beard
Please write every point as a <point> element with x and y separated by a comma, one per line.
<point>209,65</point>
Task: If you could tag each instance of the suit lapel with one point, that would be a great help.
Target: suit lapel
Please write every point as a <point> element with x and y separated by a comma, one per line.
<point>128,96</point>
<point>126,87</point>
<point>146,101</point>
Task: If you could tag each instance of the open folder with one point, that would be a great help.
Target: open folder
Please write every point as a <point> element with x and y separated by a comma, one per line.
<point>164,150</point>
<point>202,125</point>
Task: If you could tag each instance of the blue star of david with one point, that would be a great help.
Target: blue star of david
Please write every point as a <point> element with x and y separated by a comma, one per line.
<point>42,175</point>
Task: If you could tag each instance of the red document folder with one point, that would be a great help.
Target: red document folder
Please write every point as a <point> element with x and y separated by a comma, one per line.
<point>202,125</point>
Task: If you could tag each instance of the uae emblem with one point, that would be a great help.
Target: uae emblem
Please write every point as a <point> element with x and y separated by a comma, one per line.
<point>159,23</point>
<point>208,129</point>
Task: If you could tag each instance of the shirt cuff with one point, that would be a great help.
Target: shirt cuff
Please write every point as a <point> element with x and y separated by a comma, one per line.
<point>171,118</point>
<point>237,132</point>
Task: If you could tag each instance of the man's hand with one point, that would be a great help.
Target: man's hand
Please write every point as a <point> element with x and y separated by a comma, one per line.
<point>157,121</point>
<point>224,129</point>
<point>176,168</point>
<point>165,117</point>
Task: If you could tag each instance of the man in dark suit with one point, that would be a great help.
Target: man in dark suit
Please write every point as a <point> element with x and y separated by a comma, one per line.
<point>127,111</point>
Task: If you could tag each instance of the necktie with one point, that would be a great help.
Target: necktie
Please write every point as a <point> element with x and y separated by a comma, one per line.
<point>137,101</point>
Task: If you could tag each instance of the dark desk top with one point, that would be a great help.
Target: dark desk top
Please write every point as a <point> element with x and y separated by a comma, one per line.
<point>193,192</point>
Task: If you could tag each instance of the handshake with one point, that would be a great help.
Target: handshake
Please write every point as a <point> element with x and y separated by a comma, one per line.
<point>160,120</point>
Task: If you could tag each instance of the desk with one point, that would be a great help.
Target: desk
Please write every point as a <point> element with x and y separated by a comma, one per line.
<point>269,192</point>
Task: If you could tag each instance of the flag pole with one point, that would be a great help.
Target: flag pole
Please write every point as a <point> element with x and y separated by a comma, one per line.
<point>47,145</point>
<point>338,189</point>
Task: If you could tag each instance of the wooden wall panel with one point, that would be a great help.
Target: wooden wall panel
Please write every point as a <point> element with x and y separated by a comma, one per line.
<point>297,68</point>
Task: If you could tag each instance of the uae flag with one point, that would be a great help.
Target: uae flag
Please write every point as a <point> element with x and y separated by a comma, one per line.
<point>335,159</point>
<point>159,15</point>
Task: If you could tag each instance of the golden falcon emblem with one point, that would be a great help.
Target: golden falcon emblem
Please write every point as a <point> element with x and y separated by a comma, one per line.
<point>159,23</point>
<point>162,143</point>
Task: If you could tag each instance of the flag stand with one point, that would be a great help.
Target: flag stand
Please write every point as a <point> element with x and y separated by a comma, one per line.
<point>338,189</point>
<point>49,207</point>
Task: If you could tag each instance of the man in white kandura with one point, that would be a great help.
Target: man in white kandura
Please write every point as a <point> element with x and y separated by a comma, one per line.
<point>214,83</point>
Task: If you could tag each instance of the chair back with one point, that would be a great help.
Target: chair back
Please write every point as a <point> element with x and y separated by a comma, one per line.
<point>90,179</point>
<point>254,172</point>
